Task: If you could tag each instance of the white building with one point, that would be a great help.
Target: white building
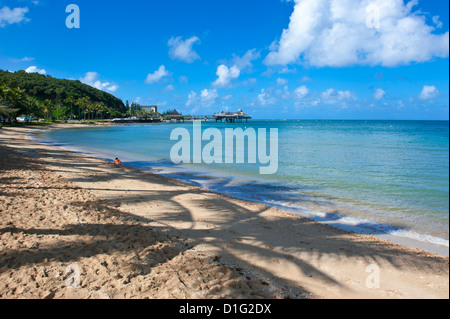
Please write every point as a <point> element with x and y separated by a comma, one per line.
<point>150,108</point>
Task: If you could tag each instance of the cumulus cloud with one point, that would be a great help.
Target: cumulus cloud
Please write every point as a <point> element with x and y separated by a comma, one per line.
<point>265,98</point>
<point>91,78</point>
<point>340,33</point>
<point>225,74</point>
<point>206,98</point>
<point>333,96</point>
<point>245,61</point>
<point>429,92</point>
<point>301,92</point>
<point>157,75</point>
<point>16,15</point>
<point>182,49</point>
<point>34,69</point>
<point>379,94</point>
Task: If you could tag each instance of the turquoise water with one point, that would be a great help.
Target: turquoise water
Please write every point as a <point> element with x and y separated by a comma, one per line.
<point>380,176</point>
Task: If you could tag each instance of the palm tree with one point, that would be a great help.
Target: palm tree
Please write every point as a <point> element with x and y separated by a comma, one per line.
<point>70,100</point>
<point>47,106</point>
<point>79,103</point>
<point>102,109</point>
<point>9,99</point>
<point>31,106</point>
<point>91,110</point>
<point>108,112</point>
<point>59,111</point>
<point>17,97</point>
<point>83,104</point>
<point>3,103</point>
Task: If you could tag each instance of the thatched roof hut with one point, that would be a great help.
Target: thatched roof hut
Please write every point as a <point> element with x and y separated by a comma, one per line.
<point>174,115</point>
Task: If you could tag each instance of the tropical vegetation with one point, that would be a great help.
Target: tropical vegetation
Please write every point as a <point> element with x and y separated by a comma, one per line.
<point>37,96</point>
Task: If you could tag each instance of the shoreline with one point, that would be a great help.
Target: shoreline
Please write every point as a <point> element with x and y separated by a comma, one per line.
<point>293,251</point>
<point>397,239</point>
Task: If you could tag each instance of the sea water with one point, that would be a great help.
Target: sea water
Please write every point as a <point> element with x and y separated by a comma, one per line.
<point>377,177</point>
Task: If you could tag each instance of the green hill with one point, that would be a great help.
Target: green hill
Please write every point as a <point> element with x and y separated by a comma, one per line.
<point>45,87</point>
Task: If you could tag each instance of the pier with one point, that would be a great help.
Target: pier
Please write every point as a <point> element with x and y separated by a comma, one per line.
<point>175,117</point>
<point>232,117</point>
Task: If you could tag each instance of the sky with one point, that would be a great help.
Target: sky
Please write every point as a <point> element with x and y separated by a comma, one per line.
<point>280,59</point>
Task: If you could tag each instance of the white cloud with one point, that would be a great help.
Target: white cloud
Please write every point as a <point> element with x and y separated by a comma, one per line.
<point>24,59</point>
<point>437,22</point>
<point>191,97</point>
<point>182,50</point>
<point>429,92</point>
<point>307,103</point>
<point>209,95</point>
<point>305,79</point>
<point>206,98</point>
<point>34,69</point>
<point>266,98</point>
<point>168,89</point>
<point>379,94</point>
<point>301,92</point>
<point>281,81</point>
<point>341,33</point>
<point>91,78</point>
<point>285,93</point>
<point>333,96</point>
<point>157,75</point>
<point>16,15</point>
<point>227,74</point>
<point>245,62</point>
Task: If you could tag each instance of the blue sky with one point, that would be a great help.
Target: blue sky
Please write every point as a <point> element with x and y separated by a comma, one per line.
<point>302,59</point>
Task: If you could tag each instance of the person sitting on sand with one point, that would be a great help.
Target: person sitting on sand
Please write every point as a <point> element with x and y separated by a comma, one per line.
<point>117,162</point>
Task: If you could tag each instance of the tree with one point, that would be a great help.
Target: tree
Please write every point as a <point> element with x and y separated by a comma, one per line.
<point>70,100</point>
<point>60,111</point>
<point>58,90</point>
<point>82,104</point>
<point>16,97</point>
<point>48,107</point>
<point>31,106</point>
<point>8,101</point>
<point>102,108</point>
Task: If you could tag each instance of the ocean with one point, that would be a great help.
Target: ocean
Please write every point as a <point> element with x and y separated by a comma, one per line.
<point>376,177</point>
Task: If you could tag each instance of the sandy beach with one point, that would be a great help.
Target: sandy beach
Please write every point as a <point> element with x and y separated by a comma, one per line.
<point>127,233</point>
